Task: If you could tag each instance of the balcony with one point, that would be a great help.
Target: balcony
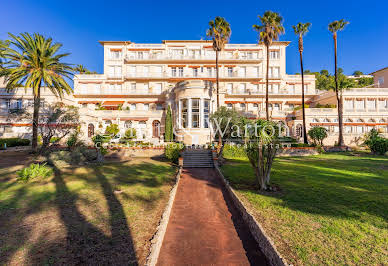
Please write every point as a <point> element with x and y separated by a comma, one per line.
<point>167,57</point>
<point>89,76</point>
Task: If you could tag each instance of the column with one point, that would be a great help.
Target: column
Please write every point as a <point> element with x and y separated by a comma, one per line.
<point>201,117</point>
<point>179,114</point>
<point>189,113</point>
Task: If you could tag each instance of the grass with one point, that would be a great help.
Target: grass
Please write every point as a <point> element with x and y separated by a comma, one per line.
<point>97,215</point>
<point>332,209</point>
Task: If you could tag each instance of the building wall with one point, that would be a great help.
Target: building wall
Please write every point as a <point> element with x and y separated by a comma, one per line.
<point>380,78</point>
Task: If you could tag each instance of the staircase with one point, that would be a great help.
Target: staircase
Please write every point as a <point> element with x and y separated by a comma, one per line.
<point>197,159</point>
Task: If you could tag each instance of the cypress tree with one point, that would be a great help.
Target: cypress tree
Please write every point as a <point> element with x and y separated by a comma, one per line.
<point>168,134</point>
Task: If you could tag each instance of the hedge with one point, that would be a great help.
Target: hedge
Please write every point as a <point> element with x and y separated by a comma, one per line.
<point>13,142</point>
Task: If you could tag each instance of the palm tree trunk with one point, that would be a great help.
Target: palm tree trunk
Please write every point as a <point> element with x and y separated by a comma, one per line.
<point>266,81</point>
<point>339,98</point>
<point>35,119</point>
<point>303,110</point>
<point>218,85</point>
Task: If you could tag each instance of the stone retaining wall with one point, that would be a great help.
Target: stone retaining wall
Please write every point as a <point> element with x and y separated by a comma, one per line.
<point>266,245</point>
<point>298,151</point>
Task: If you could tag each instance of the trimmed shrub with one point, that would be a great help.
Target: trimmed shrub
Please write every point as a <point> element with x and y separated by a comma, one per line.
<point>171,151</point>
<point>318,134</point>
<point>13,142</point>
<point>33,171</point>
<point>234,151</point>
<point>298,145</point>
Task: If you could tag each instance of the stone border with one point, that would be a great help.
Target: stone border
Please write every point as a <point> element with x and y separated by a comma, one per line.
<point>265,243</point>
<point>157,238</point>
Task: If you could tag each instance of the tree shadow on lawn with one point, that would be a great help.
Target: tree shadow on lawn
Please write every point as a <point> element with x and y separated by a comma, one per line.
<point>84,243</point>
<point>330,187</point>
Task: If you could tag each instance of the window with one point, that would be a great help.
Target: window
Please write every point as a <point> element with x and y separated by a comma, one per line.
<point>291,89</point>
<point>114,71</point>
<point>229,105</point>
<point>348,129</point>
<point>115,54</point>
<point>115,89</point>
<point>206,111</point>
<point>325,120</point>
<point>128,124</point>
<point>209,71</point>
<point>291,106</point>
<point>195,72</point>
<point>273,72</point>
<point>256,105</point>
<point>383,104</point>
<point>30,103</point>
<point>256,88</point>
<point>158,71</point>
<point>230,71</point>
<point>306,87</point>
<point>184,113</point>
<point>7,103</point>
<point>242,106</point>
<point>229,88</point>
<point>360,104</point>
<point>276,107</point>
<point>257,71</point>
<point>146,71</point>
<point>273,88</point>
<point>132,106</point>
<point>19,104</point>
<point>270,106</point>
<point>133,88</point>
<point>371,104</point>
<point>242,71</point>
<point>242,88</point>
<point>195,113</point>
<point>157,89</point>
<point>274,54</point>
<point>146,88</point>
<point>173,72</point>
<point>315,120</point>
<point>146,107</point>
<point>380,81</point>
<point>108,122</point>
<point>180,71</point>
<point>349,104</point>
<point>131,71</point>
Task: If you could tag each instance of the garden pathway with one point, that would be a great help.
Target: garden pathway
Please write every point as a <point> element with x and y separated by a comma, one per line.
<point>204,227</point>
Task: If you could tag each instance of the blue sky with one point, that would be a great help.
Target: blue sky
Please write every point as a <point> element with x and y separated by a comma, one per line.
<point>79,25</point>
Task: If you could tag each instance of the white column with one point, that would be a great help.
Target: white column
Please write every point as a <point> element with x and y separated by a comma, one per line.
<point>201,117</point>
<point>179,114</point>
<point>189,113</point>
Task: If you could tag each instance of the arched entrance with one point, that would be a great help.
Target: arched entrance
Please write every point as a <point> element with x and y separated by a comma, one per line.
<point>155,129</point>
<point>90,130</point>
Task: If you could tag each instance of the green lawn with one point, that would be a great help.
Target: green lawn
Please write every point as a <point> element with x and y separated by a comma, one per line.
<point>332,209</point>
<point>92,215</point>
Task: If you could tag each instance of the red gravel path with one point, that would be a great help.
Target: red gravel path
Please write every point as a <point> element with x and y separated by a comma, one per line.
<point>204,228</point>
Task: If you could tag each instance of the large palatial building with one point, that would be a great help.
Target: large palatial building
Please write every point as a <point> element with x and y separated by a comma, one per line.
<point>140,81</point>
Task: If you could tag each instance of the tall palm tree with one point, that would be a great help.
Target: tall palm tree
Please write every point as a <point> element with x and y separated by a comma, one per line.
<point>334,27</point>
<point>219,32</point>
<point>81,69</point>
<point>33,62</point>
<point>301,29</point>
<point>270,29</point>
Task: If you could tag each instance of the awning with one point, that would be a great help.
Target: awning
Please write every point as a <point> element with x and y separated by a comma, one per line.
<point>91,102</point>
<point>112,103</point>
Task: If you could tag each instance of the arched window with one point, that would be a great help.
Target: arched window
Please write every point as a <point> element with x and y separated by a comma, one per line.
<point>326,120</point>
<point>348,120</point>
<point>382,120</point>
<point>360,120</point>
<point>315,120</point>
<point>128,124</point>
<point>335,120</point>
<point>155,129</point>
<point>90,130</point>
<point>371,120</point>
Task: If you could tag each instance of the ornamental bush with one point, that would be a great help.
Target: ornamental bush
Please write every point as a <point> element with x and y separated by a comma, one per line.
<point>317,134</point>
<point>171,151</point>
<point>234,151</point>
<point>376,143</point>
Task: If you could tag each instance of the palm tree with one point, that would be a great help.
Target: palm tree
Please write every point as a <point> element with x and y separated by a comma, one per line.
<point>334,27</point>
<point>33,62</point>
<point>301,29</point>
<point>3,46</point>
<point>81,69</point>
<point>270,29</point>
<point>220,33</point>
